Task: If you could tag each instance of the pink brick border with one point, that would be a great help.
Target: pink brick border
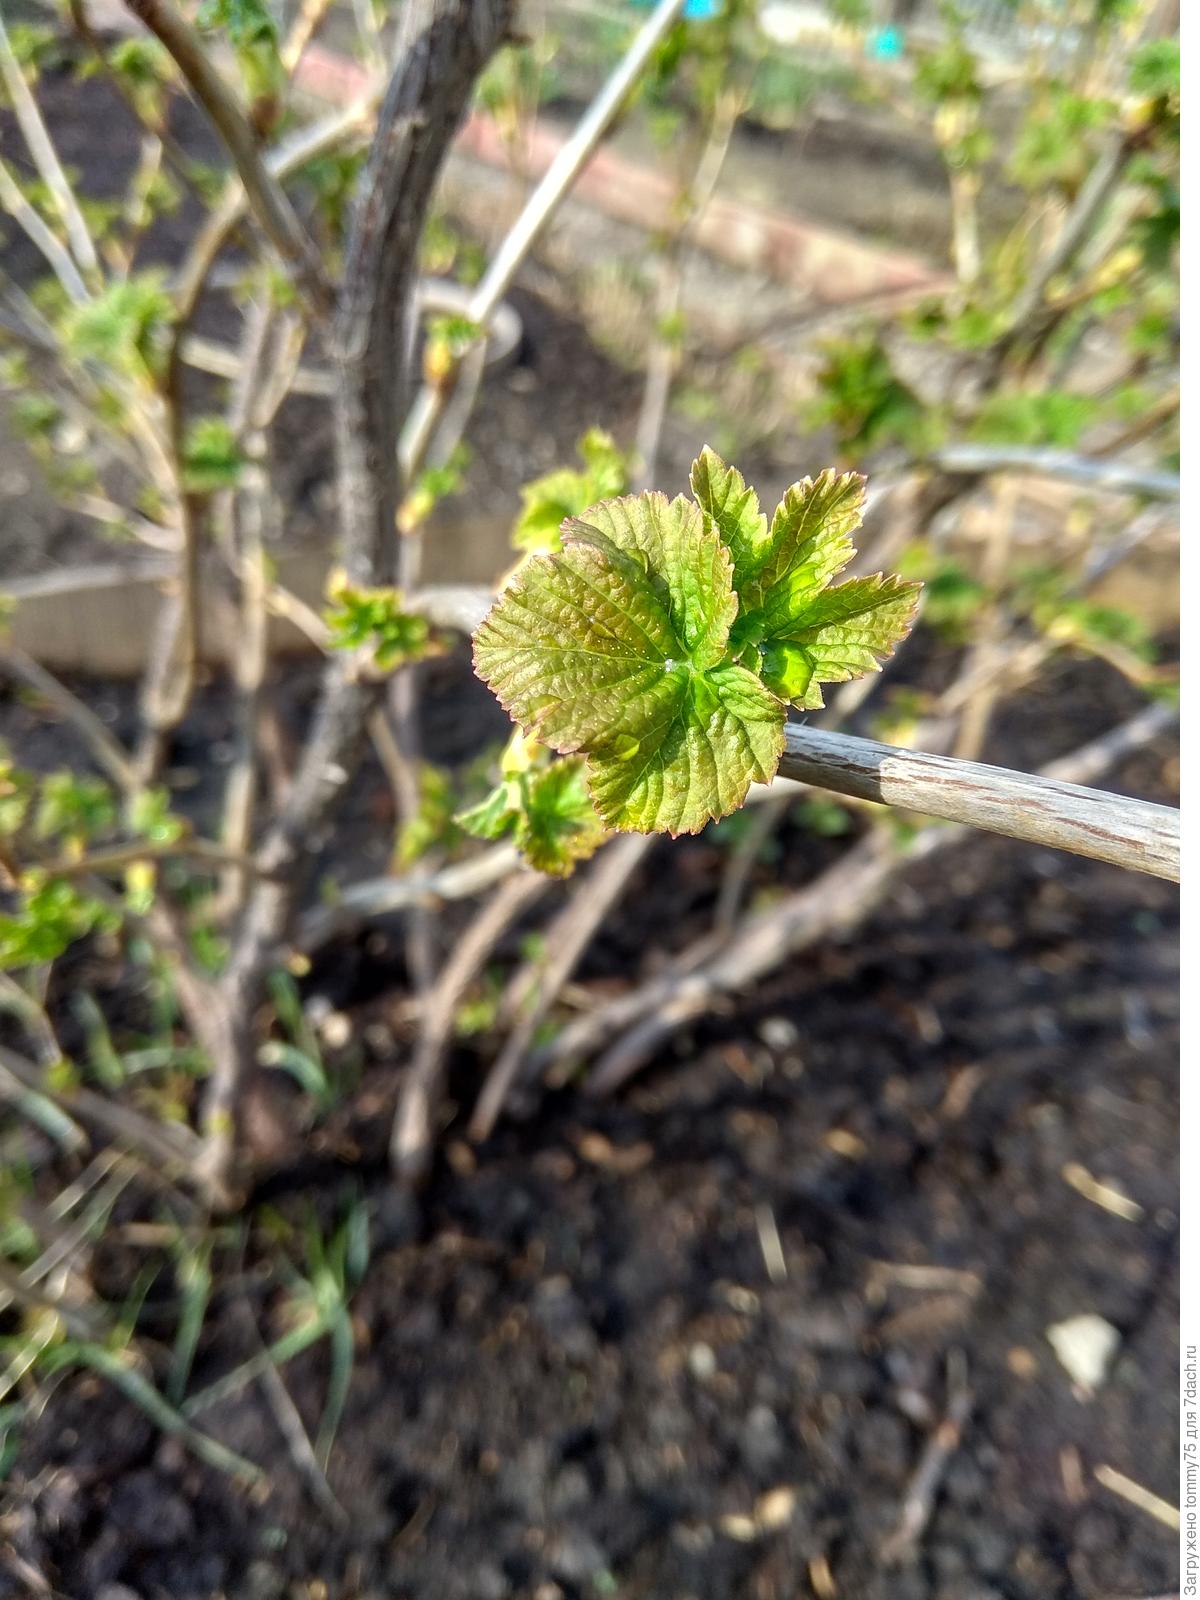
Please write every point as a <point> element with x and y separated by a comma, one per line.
<point>830,266</point>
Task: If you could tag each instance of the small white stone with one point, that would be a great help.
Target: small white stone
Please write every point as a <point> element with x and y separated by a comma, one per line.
<point>70,438</point>
<point>1085,1345</point>
<point>702,1363</point>
<point>778,1033</point>
<point>335,1030</point>
<point>774,1509</point>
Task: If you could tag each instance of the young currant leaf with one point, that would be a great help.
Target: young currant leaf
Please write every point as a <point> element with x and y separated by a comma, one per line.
<point>568,492</point>
<point>665,638</point>
<point>72,808</point>
<point>803,632</point>
<point>559,826</point>
<point>212,458</point>
<point>432,824</point>
<point>617,648</point>
<point>374,620</point>
<point>725,734</point>
<point>688,566</point>
<point>52,916</point>
<point>842,634</point>
<point>544,805</point>
<point>721,493</point>
<point>494,816</point>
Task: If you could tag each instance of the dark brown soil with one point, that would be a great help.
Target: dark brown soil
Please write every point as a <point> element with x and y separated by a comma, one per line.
<point>574,1366</point>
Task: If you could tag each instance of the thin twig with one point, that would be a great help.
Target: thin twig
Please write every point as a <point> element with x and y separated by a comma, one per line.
<point>987,648</point>
<point>56,256</point>
<point>383,897</point>
<point>661,367</point>
<point>413,1130</point>
<point>115,858</point>
<point>1115,477</point>
<point>922,1492</point>
<point>567,937</point>
<point>104,749</point>
<point>265,195</point>
<point>248,511</point>
<point>665,350</point>
<point>45,158</point>
<point>537,212</point>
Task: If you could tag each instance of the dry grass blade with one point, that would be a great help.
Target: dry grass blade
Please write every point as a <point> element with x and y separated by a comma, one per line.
<point>922,1493</point>
<point>291,1425</point>
<point>170,1145</point>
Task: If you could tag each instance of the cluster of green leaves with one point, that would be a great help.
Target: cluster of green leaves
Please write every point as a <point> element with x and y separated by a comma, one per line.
<point>666,639</point>
<point>1053,417</point>
<point>212,457</point>
<point>1042,595</point>
<point>542,805</point>
<point>52,820</point>
<point>47,915</point>
<point>125,327</point>
<point>867,405</point>
<point>67,808</point>
<point>432,825</point>
<point>375,622</point>
<point>547,502</point>
<point>952,597</point>
<point>51,916</point>
<point>144,70</point>
<point>1056,144</point>
<point>948,72</point>
<point>252,32</point>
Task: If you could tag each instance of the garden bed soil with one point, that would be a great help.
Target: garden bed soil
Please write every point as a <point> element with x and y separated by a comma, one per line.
<point>691,1344</point>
